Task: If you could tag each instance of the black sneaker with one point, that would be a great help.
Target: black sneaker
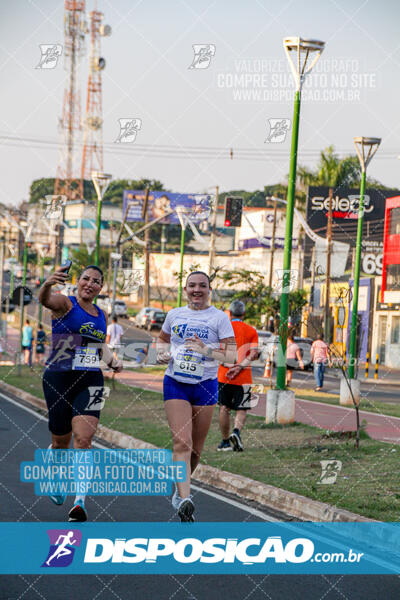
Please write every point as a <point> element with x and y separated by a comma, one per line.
<point>224,446</point>
<point>78,513</point>
<point>186,510</point>
<point>236,441</point>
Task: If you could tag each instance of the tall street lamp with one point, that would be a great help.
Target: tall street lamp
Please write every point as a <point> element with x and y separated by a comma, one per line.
<point>298,52</point>
<point>366,148</point>
<point>100,182</point>
<point>180,211</point>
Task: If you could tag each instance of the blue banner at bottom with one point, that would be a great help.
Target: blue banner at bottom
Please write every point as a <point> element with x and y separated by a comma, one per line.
<point>200,548</point>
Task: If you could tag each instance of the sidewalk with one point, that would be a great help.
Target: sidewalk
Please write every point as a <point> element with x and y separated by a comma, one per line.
<point>317,414</point>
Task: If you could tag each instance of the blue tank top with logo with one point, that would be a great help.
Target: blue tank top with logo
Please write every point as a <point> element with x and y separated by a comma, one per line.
<point>76,340</point>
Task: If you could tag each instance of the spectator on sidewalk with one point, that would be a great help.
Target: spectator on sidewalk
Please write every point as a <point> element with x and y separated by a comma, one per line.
<point>26,342</point>
<point>114,334</point>
<point>320,355</point>
<point>141,356</point>
<point>41,340</point>
<point>293,355</point>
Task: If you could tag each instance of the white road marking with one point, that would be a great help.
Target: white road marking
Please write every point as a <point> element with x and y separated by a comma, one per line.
<point>235,503</point>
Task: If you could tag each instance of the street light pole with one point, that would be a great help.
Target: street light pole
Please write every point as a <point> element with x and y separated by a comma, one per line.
<point>179,212</point>
<point>42,254</point>
<point>362,145</point>
<point>100,182</point>
<point>303,49</point>
<point>211,254</point>
<point>22,297</point>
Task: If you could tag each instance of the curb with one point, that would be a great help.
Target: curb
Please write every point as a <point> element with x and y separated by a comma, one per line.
<point>297,506</point>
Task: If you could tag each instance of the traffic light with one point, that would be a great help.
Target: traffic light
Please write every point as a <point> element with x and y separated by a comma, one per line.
<point>233,211</point>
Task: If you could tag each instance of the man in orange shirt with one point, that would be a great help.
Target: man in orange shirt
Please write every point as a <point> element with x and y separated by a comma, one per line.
<point>234,381</point>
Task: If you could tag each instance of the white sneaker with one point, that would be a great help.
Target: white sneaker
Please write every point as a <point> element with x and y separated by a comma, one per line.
<point>176,499</point>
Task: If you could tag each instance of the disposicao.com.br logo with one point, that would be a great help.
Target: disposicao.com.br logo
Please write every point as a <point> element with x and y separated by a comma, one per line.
<point>202,548</point>
<point>191,550</point>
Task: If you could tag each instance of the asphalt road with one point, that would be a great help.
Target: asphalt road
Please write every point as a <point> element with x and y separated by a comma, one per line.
<point>23,430</point>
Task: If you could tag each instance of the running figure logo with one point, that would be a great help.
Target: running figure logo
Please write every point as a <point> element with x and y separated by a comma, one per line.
<point>128,129</point>
<point>130,280</point>
<point>62,348</point>
<point>179,330</point>
<point>278,129</point>
<point>97,397</point>
<point>286,281</point>
<point>54,207</point>
<point>203,54</point>
<point>50,55</point>
<point>330,471</point>
<point>62,547</point>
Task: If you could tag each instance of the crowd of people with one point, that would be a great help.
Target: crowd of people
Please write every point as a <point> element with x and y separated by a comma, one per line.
<point>207,353</point>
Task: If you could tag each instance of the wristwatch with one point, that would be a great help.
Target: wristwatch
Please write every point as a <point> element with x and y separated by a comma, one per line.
<point>209,352</point>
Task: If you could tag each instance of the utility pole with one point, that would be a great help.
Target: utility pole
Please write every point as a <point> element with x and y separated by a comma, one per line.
<point>328,270</point>
<point>271,260</point>
<point>211,254</point>
<point>163,238</point>
<point>312,294</point>
<point>145,214</point>
<point>42,254</point>
<point>110,259</point>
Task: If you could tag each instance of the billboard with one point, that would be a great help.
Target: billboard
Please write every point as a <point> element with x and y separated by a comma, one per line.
<point>391,254</point>
<point>344,224</point>
<point>197,206</point>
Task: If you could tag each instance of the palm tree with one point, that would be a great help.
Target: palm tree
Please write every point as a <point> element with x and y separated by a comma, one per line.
<point>332,171</point>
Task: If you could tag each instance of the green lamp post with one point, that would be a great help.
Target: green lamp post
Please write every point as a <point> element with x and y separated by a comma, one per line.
<point>298,52</point>
<point>180,211</point>
<point>100,182</point>
<point>366,149</point>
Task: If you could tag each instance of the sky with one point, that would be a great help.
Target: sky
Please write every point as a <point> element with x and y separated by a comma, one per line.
<point>353,90</point>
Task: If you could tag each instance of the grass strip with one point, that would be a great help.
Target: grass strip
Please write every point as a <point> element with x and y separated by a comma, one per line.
<point>284,456</point>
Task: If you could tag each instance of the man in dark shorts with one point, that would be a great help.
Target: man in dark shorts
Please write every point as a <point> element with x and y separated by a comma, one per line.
<point>234,381</point>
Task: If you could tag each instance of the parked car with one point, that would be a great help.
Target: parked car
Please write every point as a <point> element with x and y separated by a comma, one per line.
<point>263,337</point>
<point>103,302</point>
<point>120,309</point>
<point>12,263</point>
<point>271,347</point>
<point>140,319</point>
<point>155,318</point>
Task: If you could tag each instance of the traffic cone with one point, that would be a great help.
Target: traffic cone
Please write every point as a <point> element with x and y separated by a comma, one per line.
<point>268,368</point>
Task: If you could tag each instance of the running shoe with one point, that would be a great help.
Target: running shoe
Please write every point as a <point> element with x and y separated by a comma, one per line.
<point>236,441</point>
<point>57,499</point>
<point>186,510</point>
<point>224,446</point>
<point>176,499</point>
<point>78,512</point>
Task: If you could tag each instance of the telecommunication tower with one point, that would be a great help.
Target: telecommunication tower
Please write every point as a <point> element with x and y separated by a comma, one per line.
<point>68,182</point>
<point>92,156</point>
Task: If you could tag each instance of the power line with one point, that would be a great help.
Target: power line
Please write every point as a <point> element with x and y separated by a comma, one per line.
<point>169,151</point>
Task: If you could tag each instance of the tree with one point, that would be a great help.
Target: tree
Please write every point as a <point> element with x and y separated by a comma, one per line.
<point>259,298</point>
<point>81,259</point>
<point>334,172</point>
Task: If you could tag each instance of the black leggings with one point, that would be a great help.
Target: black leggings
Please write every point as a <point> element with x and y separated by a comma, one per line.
<point>72,393</point>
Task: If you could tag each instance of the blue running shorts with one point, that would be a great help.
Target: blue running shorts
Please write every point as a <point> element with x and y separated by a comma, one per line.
<point>204,393</point>
<point>69,394</point>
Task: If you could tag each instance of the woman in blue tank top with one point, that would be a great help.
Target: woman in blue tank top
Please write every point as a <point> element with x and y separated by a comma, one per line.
<point>73,382</point>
